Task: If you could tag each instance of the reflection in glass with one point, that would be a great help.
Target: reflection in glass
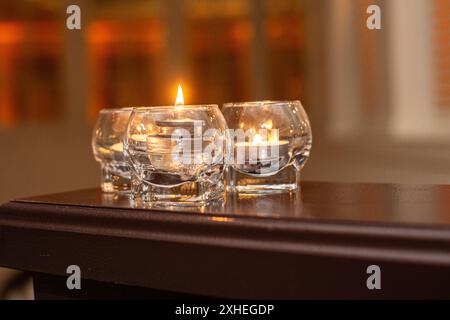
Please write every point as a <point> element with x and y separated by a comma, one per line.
<point>107,145</point>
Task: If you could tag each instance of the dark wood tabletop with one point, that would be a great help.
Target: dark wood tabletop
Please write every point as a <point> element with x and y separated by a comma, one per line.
<point>316,243</point>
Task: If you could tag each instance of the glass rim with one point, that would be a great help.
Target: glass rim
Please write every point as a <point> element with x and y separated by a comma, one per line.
<point>174,107</point>
<point>260,103</point>
<point>116,110</point>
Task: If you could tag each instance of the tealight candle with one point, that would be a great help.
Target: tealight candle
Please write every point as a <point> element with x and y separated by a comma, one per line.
<point>164,147</point>
<point>261,149</point>
<point>261,165</point>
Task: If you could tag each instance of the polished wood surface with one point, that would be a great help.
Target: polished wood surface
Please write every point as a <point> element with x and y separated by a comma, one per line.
<point>384,203</point>
<point>316,243</point>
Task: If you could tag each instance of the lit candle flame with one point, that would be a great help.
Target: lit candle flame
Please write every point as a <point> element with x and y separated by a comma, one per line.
<point>180,99</point>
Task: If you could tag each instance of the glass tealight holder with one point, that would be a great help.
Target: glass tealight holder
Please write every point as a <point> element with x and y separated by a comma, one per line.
<point>270,141</point>
<point>107,146</point>
<point>176,154</point>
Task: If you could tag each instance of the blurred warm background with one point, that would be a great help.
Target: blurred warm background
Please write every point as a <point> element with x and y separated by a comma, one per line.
<point>379,101</point>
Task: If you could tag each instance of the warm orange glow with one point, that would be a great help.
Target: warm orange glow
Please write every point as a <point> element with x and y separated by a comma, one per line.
<point>221,219</point>
<point>267,125</point>
<point>180,99</point>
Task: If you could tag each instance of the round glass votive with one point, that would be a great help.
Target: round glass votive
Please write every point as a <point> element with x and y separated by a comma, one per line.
<point>176,154</point>
<point>270,141</point>
<point>107,146</point>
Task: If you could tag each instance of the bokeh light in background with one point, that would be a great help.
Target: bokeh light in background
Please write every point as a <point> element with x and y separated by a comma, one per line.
<point>134,53</point>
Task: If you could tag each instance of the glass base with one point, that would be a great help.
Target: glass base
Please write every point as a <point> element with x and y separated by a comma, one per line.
<point>115,177</point>
<point>286,180</point>
<point>189,193</point>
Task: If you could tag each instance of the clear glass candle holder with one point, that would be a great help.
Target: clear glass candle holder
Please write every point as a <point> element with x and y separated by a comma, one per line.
<point>107,146</point>
<point>270,141</point>
<point>176,154</point>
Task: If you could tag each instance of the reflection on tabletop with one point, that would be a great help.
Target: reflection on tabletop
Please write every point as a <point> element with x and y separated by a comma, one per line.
<point>361,202</point>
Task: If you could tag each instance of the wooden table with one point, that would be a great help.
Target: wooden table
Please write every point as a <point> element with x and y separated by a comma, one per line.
<point>316,243</point>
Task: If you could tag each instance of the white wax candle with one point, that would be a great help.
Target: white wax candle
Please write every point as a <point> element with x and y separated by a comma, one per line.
<point>261,149</point>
